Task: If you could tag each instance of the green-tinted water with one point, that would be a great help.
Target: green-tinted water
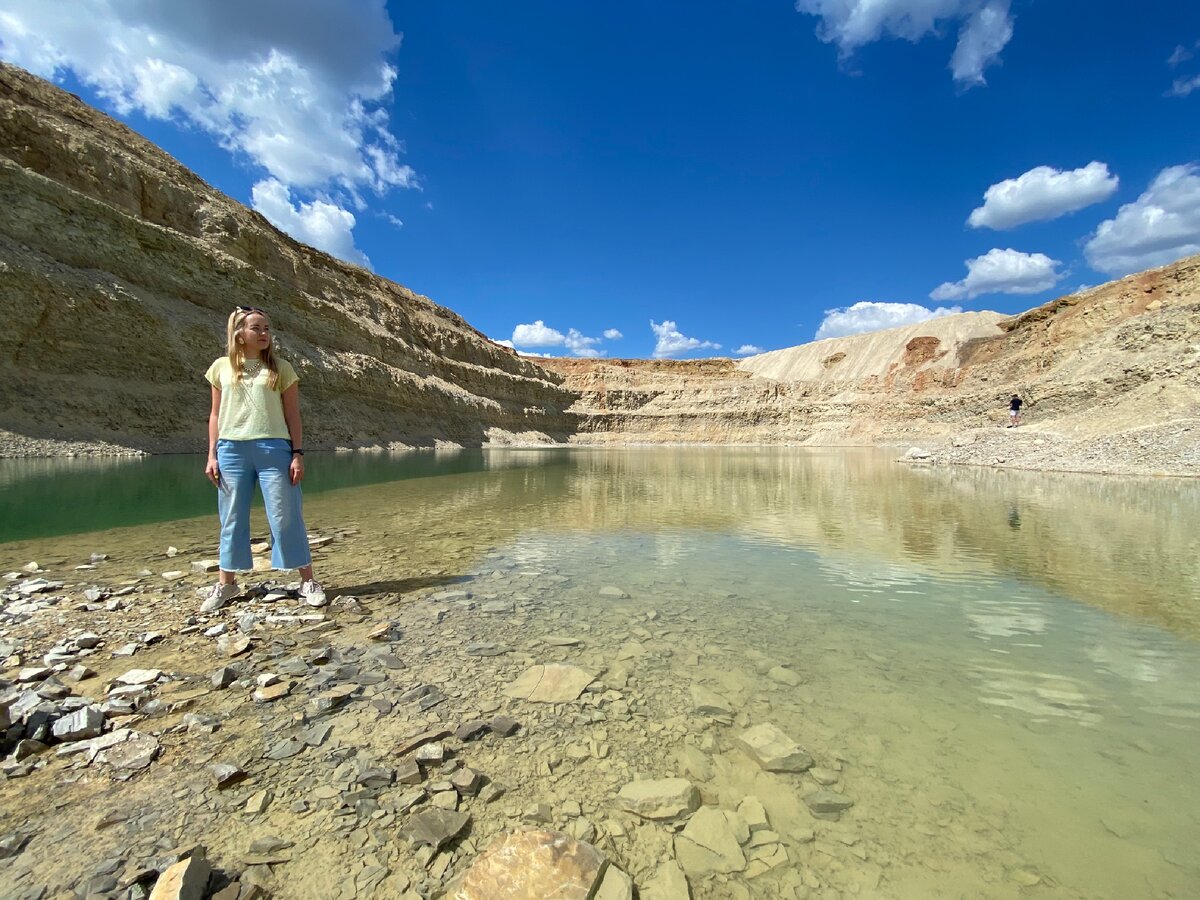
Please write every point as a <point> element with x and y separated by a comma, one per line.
<point>1000,668</point>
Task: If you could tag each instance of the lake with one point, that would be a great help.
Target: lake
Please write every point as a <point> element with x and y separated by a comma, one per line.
<point>998,668</point>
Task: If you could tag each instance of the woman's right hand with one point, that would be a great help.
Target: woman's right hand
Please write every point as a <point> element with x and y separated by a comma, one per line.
<point>213,473</point>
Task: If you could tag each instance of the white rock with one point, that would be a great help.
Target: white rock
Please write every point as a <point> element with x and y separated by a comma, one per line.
<point>660,798</point>
<point>774,750</point>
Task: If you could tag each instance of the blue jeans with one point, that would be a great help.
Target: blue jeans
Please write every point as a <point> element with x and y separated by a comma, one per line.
<point>242,464</point>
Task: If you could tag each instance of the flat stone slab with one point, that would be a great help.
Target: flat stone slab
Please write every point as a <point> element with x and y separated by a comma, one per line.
<point>660,798</point>
<point>554,683</point>
<point>709,844</point>
<point>706,702</point>
<point>774,750</point>
<point>435,827</point>
<point>667,883</point>
<point>827,802</point>
<point>547,865</point>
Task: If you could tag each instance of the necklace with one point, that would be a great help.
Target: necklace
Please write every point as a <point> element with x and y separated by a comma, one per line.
<point>252,367</point>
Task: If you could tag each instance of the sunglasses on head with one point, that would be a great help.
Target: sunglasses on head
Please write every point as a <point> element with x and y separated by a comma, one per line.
<point>252,309</point>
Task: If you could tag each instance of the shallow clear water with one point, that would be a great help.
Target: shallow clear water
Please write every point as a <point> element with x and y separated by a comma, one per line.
<point>1001,667</point>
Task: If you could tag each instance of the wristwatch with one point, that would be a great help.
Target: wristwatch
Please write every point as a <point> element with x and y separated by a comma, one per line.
<point>297,450</point>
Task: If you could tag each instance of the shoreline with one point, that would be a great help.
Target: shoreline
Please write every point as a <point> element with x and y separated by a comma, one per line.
<point>1166,450</point>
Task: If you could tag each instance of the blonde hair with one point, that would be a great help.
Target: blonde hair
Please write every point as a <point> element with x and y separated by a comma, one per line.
<point>233,345</point>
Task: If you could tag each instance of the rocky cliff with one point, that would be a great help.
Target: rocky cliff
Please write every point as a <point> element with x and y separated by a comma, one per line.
<point>1110,375</point>
<point>119,267</point>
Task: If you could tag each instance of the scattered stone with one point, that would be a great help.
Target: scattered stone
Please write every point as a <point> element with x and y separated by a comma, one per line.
<point>223,677</point>
<point>529,864</point>
<point>492,791</point>
<point>140,676</point>
<point>286,749</point>
<point>412,742</point>
<point>828,802</point>
<point>132,754</point>
<point>660,798</point>
<point>709,703</point>
<point>615,592</point>
<point>272,692</point>
<point>504,726</point>
<point>558,640</point>
<point>434,827</point>
<point>753,814</point>
<point>431,754</point>
<point>824,777</point>
<point>185,880</point>
<point>233,644</point>
<point>206,565</point>
<point>226,774</point>
<point>709,844</point>
<point>667,883</point>
<point>469,731</point>
<point>467,781</point>
<point>79,673</point>
<point>773,750</point>
<point>79,725</point>
<point>12,843</point>
<point>554,683</point>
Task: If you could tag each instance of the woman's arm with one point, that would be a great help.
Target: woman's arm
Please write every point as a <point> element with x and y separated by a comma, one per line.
<point>210,468</point>
<point>291,415</point>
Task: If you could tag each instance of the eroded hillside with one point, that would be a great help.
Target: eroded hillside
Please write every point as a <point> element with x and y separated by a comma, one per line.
<point>1106,371</point>
<point>119,267</point>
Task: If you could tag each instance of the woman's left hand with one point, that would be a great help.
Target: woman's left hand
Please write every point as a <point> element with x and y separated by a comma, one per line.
<point>297,469</point>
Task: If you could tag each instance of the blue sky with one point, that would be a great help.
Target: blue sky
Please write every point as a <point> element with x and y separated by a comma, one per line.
<point>747,175</point>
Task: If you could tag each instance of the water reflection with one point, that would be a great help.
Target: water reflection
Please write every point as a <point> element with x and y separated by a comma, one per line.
<point>993,659</point>
<point>1125,545</point>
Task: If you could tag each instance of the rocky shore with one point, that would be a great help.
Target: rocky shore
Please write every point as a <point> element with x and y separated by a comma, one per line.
<point>415,743</point>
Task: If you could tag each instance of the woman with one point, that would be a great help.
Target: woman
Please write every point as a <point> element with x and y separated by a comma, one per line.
<point>255,436</point>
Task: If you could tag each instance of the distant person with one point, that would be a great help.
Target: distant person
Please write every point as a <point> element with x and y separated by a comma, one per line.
<point>1014,411</point>
<point>255,437</point>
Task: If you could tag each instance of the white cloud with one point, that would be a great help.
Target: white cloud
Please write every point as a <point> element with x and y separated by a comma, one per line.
<point>985,27</point>
<point>1002,272</point>
<point>1161,226</point>
<point>537,335</point>
<point>508,344</point>
<point>747,350</point>
<point>580,345</point>
<point>1043,193</point>
<point>612,334</point>
<point>395,220</point>
<point>320,223</point>
<point>1182,54</point>
<point>295,86</point>
<point>671,342</point>
<point>1181,87</point>
<point>867,315</point>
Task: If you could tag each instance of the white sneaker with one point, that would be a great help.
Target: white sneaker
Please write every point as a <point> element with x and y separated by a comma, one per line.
<point>217,596</point>
<point>312,593</point>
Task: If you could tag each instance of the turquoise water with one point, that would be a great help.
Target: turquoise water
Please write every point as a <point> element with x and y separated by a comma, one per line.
<point>1000,668</point>
<point>47,497</point>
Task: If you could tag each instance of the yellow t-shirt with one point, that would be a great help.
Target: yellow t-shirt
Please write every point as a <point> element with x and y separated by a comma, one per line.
<point>249,409</point>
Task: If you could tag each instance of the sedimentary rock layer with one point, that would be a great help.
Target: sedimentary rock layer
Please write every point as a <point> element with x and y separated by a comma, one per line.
<point>1125,355</point>
<point>119,267</point>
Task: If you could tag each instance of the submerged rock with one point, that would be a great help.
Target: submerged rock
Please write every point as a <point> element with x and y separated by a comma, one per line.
<point>774,750</point>
<point>554,683</point>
